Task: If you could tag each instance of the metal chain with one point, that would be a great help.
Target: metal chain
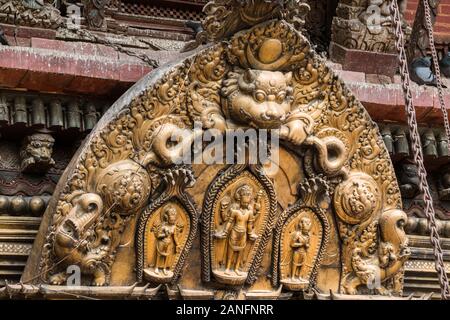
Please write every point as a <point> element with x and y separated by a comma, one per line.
<point>417,150</point>
<point>94,38</point>
<point>437,71</point>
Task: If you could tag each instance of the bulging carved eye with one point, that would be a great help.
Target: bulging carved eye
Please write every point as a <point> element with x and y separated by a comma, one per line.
<point>260,96</point>
<point>281,96</point>
<point>91,207</point>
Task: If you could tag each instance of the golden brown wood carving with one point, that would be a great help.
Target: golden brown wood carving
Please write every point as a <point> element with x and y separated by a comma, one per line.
<point>131,209</point>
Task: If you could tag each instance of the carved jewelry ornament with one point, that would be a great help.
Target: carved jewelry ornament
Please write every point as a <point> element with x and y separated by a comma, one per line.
<point>124,209</point>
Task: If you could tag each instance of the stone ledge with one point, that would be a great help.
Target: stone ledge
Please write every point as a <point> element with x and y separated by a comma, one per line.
<point>65,71</point>
<point>385,102</point>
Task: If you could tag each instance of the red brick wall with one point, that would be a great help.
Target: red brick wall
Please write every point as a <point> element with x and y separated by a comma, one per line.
<point>442,26</point>
<point>411,10</point>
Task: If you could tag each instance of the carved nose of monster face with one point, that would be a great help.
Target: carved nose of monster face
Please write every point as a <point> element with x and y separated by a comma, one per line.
<point>45,154</point>
<point>273,114</point>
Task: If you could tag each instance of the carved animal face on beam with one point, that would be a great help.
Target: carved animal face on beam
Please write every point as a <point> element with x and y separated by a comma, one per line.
<point>320,220</point>
<point>36,153</point>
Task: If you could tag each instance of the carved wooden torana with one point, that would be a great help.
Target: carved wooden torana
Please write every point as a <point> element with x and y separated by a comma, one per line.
<point>329,218</point>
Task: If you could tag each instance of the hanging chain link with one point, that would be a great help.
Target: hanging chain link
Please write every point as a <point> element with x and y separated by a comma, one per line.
<point>417,150</point>
<point>94,38</point>
<point>437,71</point>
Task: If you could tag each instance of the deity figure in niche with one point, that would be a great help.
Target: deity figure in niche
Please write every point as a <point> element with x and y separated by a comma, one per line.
<point>300,243</point>
<point>239,221</point>
<point>167,244</point>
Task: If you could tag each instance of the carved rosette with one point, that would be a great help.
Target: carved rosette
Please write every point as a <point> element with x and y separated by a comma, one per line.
<point>136,215</point>
<point>357,199</point>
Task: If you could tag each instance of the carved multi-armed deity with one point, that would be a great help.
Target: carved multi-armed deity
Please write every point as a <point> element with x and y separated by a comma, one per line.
<point>127,210</point>
<point>238,221</point>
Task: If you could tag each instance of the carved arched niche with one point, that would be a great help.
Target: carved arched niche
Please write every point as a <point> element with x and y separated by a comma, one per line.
<point>332,211</point>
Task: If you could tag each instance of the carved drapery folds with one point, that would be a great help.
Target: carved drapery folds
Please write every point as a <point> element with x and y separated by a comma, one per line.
<point>329,218</point>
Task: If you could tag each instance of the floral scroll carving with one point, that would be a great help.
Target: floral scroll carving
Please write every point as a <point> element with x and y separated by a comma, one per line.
<point>125,211</point>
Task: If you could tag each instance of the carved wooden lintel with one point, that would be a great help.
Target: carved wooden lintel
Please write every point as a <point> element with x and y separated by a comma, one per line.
<point>121,212</point>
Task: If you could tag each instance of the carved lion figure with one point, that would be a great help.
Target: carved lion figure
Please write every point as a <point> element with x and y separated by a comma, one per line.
<point>263,99</point>
<point>36,153</point>
<point>375,270</point>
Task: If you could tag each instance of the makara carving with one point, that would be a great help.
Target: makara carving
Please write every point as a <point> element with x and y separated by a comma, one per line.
<point>329,217</point>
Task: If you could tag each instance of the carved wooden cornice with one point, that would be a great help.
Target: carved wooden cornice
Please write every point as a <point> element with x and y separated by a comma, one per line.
<point>30,13</point>
<point>51,112</point>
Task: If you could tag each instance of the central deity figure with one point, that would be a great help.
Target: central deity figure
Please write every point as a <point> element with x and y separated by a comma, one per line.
<point>239,224</point>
